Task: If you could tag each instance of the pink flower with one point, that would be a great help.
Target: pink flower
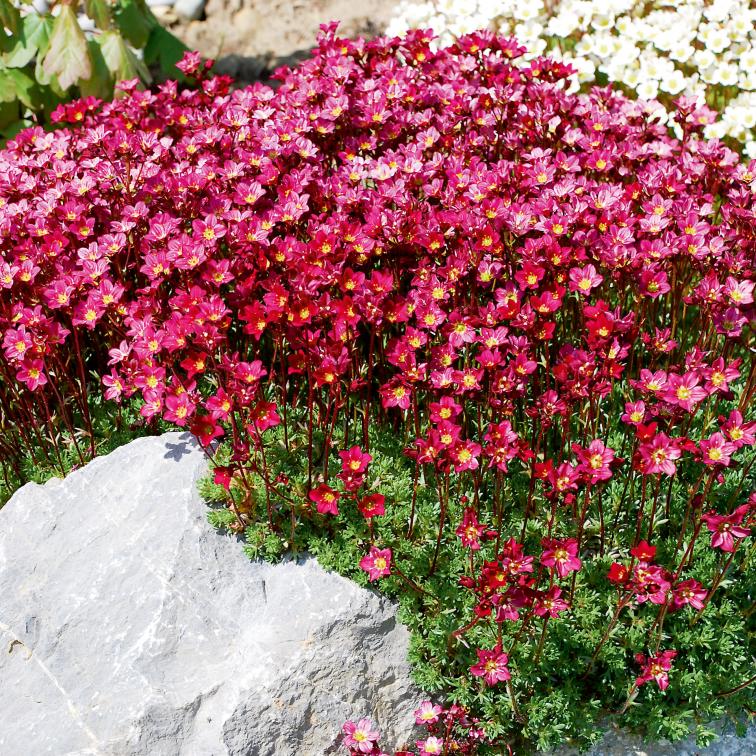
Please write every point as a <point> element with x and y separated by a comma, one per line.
<point>32,374</point>
<point>561,555</point>
<point>684,391</point>
<point>427,713</point>
<point>377,563</point>
<point>354,461</point>
<point>655,667</point>
<point>659,455</point>
<point>430,746</point>
<point>635,413</point>
<point>716,450</point>
<point>551,603</point>
<point>362,736</point>
<point>726,528</point>
<point>491,666</point>
<point>594,461</point>
<point>740,433</point>
<point>584,279</point>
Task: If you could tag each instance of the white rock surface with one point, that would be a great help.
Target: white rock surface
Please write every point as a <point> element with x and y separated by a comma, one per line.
<point>129,626</point>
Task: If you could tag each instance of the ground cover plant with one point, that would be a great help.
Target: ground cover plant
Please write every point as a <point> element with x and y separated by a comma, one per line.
<point>651,48</point>
<point>467,337</point>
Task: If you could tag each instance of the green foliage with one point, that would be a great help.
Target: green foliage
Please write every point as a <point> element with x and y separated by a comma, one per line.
<point>47,60</point>
<point>56,457</point>
<point>557,700</point>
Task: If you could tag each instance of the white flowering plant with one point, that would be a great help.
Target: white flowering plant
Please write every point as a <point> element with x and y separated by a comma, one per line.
<point>656,50</point>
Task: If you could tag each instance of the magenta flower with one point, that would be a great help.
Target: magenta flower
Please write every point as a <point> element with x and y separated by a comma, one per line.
<point>658,455</point>
<point>377,563</point>
<point>561,555</point>
<point>470,530</point>
<point>716,450</point>
<point>688,592</point>
<point>726,528</point>
<point>655,667</point>
<point>583,280</point>
<point>491,666</point>
<point>595,461</point>
<point>550,603</point>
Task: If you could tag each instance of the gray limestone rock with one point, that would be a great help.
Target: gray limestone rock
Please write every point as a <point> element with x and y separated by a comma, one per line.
<point>128,625</point>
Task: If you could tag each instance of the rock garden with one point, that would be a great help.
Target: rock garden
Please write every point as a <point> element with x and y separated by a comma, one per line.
<point>383,388</point>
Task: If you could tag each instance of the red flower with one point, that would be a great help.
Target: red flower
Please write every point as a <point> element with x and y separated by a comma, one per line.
<point>644,552</point>
<point>325,498</point>
<point>470,530</point>
<point>372,505</point>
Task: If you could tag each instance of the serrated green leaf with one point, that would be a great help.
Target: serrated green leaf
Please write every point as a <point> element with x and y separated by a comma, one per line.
<point>67,59</point>
<point>33,37</point>
<point>135,22</point>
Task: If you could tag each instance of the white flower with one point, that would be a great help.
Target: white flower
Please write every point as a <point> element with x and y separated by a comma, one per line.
<point>704,59</point>
<point>674,83</point>
<point>633,42</point>
<point>563,25</point>
<point>716,41</point>
<point>726,74</point>
<point>647,89</point>
<point>681,52</point>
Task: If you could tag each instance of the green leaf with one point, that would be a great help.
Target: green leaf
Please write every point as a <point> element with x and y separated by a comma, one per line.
<point>34,37</point>
<point>100,83</point>
<point>134,22</point>
<point>120,60</point>
<point>9,112</point>
<point>10,18</point>
<point>68,57</point>
<point>99,12</point>
<point>165,50</point>
<point>23,85</point>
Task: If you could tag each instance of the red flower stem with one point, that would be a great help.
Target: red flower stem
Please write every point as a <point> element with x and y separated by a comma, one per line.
<point>715,585</point>
<point>83,381</point>
<point>621,604</point>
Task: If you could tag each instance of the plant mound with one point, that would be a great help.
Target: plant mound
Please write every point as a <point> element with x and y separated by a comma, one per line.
<point>442,323</point>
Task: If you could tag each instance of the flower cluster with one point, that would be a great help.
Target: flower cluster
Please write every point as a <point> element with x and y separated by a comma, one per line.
<point>658,50</point>
<point>543,297</point>
<point>449,730</point>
